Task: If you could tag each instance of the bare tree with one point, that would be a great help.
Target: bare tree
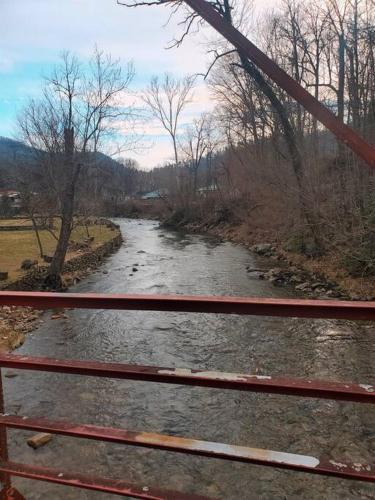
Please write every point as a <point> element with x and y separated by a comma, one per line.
<point>196,144</point>
<point>67,126</point>
<point>166,99</point>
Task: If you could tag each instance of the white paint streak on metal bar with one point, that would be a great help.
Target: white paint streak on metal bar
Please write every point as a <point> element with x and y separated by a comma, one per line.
<point>229,377</point>
<point>227,450</point>
<point>368,388</point>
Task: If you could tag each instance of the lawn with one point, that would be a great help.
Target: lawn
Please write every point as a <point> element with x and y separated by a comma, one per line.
<point>17,246</point>
<point>15,222</point>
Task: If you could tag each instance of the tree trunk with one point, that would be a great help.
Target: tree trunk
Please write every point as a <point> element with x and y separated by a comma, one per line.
<point>341,95</point>
<point>195,181</point>
<point>36,230</point>
<point>175,150</point>
<point>53,279</point>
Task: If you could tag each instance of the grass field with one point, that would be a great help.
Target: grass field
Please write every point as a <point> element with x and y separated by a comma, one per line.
<point>17,246</point>
<point>15,222</point>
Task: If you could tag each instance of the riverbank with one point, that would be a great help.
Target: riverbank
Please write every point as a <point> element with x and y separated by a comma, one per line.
<point>319,277</point>
<point>17,322</point>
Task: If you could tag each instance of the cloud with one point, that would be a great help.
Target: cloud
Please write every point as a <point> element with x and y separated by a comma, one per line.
<point>158,153</point>
<point>150,131</point>
<point>34,33</point>
<point>41,29</point>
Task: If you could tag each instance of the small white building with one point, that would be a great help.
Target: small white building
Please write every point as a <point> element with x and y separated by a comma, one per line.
<point>206,191</point>
<point>155,195</point>
<point>14,198</point>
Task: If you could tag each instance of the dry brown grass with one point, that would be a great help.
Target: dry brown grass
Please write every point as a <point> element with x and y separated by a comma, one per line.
<point>15,222</point>
<point>331,267</point>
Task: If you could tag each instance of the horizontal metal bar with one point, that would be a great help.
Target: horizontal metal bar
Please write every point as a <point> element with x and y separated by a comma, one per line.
<point>178,303</point>
<point>94,483</point>
<point>360,393</point>
<point>301,463</point>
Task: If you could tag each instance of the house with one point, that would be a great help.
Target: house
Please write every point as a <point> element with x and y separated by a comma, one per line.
<point>154,195</point>
<point>206,191</point>
<point>12,199</point>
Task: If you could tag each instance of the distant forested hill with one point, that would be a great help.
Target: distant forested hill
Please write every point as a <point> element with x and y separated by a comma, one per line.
<point>11,150</point>
<point>13,154</point>
<point>17,159</point>
<point>104,183</point>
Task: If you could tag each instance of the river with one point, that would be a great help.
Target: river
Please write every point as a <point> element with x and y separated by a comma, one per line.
<point>170,263</point>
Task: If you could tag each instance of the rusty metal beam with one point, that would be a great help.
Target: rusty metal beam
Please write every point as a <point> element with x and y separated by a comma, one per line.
<point>11,494</point>
<point>333,309</point>
<point>94,483</point>
<point>344,133</point>
<point>4,478</point>
<point>301,463</point>
<point>359,393</point>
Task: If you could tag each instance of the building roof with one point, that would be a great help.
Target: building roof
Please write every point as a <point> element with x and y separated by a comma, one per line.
<point>11,193</point>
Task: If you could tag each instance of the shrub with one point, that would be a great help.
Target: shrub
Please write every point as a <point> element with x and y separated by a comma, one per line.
<point>360,262</point>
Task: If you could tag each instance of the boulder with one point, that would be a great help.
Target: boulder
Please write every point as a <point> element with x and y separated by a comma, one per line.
<point>265,249</point>
<point>28,264</point>
<point>255,270</point>
<point>304,287</point>
<point>314,286</point>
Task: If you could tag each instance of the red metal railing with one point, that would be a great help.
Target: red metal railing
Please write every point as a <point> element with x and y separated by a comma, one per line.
<point>355,393</point>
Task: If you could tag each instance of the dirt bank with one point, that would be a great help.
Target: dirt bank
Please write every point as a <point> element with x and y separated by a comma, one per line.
<point>305,273</point>
<point>16,322</point>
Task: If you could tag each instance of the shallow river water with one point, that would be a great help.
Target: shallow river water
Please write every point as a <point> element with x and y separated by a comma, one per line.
<point>169,262</point>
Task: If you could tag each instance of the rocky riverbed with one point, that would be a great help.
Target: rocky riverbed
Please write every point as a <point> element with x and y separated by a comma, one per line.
<point>307,283</point>
<point>15,323</point>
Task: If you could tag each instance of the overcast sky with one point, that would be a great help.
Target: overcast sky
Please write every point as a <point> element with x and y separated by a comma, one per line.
<point>34,32</point>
